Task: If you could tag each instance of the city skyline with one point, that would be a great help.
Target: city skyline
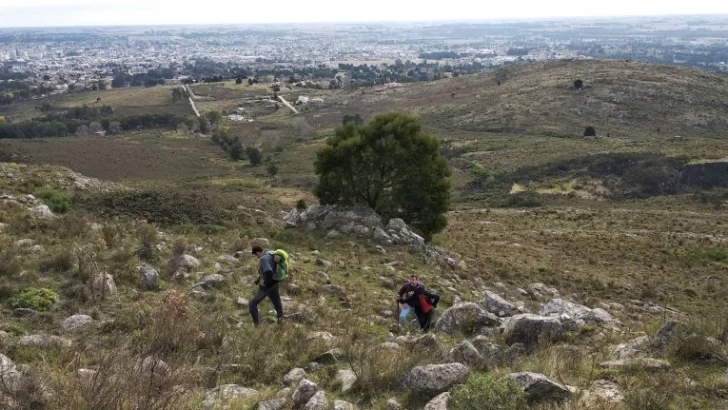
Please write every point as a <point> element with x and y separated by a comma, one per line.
<point>70,13</point>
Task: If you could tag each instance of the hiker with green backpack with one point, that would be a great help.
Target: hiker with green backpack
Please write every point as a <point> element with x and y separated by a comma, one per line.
<point>273,269</point>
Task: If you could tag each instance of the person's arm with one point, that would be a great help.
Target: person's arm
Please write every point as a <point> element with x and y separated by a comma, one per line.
<point>401,292</point>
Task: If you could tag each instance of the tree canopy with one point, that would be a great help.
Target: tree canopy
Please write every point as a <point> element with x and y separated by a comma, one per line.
<point>390,165</point>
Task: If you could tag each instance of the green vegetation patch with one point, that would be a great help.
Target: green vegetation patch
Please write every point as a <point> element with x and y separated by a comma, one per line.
<point>485,392</point>
<point>59,202</point>
<point>34,298</point>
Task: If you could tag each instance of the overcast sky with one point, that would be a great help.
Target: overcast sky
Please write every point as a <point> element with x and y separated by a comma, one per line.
<point>30,13</point>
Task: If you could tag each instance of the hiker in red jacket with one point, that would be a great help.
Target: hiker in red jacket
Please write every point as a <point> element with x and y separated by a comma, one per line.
<point>412,296</point>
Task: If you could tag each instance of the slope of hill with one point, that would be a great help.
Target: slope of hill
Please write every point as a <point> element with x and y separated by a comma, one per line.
<point>619,98</point>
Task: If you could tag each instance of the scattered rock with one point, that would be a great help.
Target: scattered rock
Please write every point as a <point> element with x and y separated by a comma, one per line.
<point>75,322</point>
<point>188,262</point>
<point>4,337</point>
<point>387,283</point>
<point>529,329</point>
<point>499,306</point>
<point>24,243</point>
<point>294,376</point>
<point>540,388</point>
<point>441,402</point>
<point>262,242</point>
<point>466,318</point>
<point>148,278</point>
<point>392,404</point>
<point>665,334</point>
<point>607,391</point>
<point>390,346</point>
<point>343,405</point>
<point>323,262</point>
<point>9,374</point>
<point>103,285</point>
<point>152,365</point>
<point>3,227</point>
<point>435,378</point>
<point>43,341</point>
<point>42,212</point>
<point>645,363</point>
<point>275,404</point>
<point>323,276</point>
<point>304,392</point>
<point>333,289</point>
<point>330,357</point>
<point>579,313</point>
<point>242,302</point>
<point>317,402</point>
<point>221,396</point>
<point>322,336</point>
<point>467,354</point>
<point>214,281</point>
<point>228,260</point>
<point>380,249</point>
<point>21,312</point>
<point>347,378</point>
<point>632,348</point>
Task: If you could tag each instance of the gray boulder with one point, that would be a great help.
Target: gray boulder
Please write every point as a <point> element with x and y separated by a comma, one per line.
<point>262,242</point>
<point>346,379</point>
<point>330,357</point>
<point>75,322</point>
<point>221,396</point>
<point>392,404</point>
<point>467,354</point>
<point>333,289</point>
<point>465,318</point>
<point>103,285</point>
<point>214,281</point>
<point>304,392</point>
<point>187,262</point>
<point>9,374</point>
<point>642,363</point>
<point>294,376</point>
<point>396,224</point>
<point>275,404</point>
<point>441,402</point>
<point>435,378</point>
<point>152,366</point>
<point>561,308</point>
<point>317,402</point>
<point>148,277</point>
<point>43,341</point>
<point>529,329</point>
<point>497,305</point>
<point>228,260</point>
<point>343,405</point>
<point>539,387</point>
<point>323,262</point>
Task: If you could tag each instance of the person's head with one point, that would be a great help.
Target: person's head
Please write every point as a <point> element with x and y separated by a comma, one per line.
<point>414,279</point>
<point>257,251</point>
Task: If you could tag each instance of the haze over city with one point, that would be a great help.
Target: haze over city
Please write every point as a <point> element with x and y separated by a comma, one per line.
<point>36,13</point>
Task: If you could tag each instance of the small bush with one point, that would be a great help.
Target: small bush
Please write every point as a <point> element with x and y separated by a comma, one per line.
<point>525,199</point>
<point>485,392</point>
<point>301,205</point>
<point>590,131</point>
<point>59,202</point>
<point>9,264</point>
<point>578,84</point>
<point>63,262</point>
<point>34,298</point>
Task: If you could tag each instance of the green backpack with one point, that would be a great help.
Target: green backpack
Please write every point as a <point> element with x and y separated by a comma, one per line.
<point>281,267</point>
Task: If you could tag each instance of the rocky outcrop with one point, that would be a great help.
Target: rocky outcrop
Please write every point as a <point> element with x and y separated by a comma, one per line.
<point>466,317</point>
<point>495,304</point>
<point>343,405</point>
<point>44,341</point>
<point>148,278</point>
<point>9,374</point>
<point>467,354</point>
<point>435,378</point>
<point>304,392</point>
<point>346,378</point>
<point>294,376</point>
<point>75,322</point>
<point>275,404</point>
<point>214,281</point>
<point>539,387</point>
<point>317,402</point>
<point>441,402</point>
<point>580,314</point>
<point>529,329</point>
<point>103,285</point>
<point>220,397</point>
<point>364,223</point>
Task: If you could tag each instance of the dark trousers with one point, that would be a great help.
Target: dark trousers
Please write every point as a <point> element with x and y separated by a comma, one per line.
<point>274,295</point>
<point>424,319</point>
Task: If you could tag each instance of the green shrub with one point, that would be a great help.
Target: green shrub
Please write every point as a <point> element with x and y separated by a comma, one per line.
<point>301,205</point>
<point>525,199</point>
<point>34,298</point>
<point>485,392</point>
<point>59,202</point>
<point>63,262</point>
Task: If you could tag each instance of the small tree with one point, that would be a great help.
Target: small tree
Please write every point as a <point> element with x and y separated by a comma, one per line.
<point>272,169</point>
<point>82,130</point>
<point>239,80</point>
<point>114,127</point>
<point>392,166</point>
<point>236,150</point>
<point>254,156</point>
<point>590,131</point>
<point>578,84</point>
<point>250,81</point>
<point>95,127</point>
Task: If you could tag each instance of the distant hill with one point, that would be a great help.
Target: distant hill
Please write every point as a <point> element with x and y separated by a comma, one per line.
<point>620,98</point>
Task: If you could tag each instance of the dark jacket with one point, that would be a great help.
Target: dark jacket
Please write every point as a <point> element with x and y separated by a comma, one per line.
<point>414,296</point>
<point>266,270</point>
